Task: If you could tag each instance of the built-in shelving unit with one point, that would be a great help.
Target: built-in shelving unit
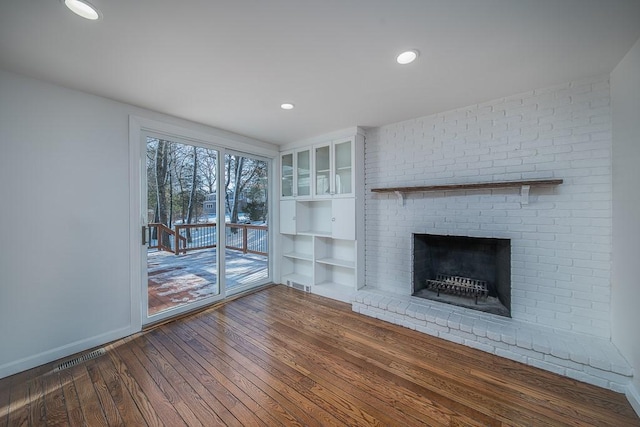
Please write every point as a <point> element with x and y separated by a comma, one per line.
<point>320,230</point>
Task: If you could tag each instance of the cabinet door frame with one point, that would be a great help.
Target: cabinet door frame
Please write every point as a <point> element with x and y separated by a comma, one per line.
<point>343,218</point>
<point>288,220</point>
<point>314,183</point>
<point>334,168</point>
<point>293,176</point>
<point>296,170</point>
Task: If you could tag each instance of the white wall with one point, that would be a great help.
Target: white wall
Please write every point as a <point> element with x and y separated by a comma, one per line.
<point>625,94</point>
<point>561,240</point>
<point>64,220</point>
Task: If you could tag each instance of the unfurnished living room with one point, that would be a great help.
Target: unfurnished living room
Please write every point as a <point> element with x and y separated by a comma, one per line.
<point>314,213</point>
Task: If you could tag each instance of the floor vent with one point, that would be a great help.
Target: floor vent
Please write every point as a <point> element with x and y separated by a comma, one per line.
<point>299,286</point>
<point>73,362</point>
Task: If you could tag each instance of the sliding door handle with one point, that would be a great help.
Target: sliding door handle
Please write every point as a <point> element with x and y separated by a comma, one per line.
<point>144,235</point>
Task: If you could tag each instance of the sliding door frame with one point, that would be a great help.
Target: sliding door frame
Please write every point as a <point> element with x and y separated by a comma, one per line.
<point>221,141</point>
<point>270,217</point>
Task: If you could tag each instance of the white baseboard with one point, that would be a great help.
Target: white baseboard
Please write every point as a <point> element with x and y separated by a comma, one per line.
<point>57,353</point>
<point>633,396</point>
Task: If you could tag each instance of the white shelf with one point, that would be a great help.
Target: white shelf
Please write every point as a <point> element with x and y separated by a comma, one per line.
<point>321,233</point>
<point>337,262</point>
<point>333,285</point>
<point>299,255</point>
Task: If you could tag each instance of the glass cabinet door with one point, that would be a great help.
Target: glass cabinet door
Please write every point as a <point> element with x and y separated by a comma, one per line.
<point>286,184</point>
<point>343,168</point>
<point>323,171</point>
<point>303,173</point>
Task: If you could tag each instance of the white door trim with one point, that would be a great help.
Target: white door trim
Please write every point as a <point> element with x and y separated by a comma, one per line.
<point>217,139</point>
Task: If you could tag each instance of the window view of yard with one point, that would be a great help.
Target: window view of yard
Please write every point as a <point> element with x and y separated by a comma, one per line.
<point>183,223</point>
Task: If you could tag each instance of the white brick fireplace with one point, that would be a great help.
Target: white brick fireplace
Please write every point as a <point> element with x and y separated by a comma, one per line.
<point>560,240</point>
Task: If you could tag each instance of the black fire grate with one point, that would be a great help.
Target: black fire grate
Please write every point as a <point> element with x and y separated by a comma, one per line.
<point>455,285</point>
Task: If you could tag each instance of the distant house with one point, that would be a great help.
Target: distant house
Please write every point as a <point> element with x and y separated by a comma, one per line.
<point>209,204</point>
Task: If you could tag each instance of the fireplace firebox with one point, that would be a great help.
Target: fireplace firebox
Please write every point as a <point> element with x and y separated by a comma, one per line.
<point>471,272</point>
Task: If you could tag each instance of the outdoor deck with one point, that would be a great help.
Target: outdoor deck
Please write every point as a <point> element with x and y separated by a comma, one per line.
<point>179,279</point>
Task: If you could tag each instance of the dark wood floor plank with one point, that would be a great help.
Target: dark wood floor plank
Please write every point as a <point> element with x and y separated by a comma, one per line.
<point>540,385</point>
<point>310,357</point>
<point>163,399</point>
<point>599,418</point>
<point>527,391</point>
<point>433,410</point>
<point>295,378</point>
<point>188,394</point>
<point>19,405</point>
<point>127,408</point>
<point>238,357</point>
<point>5,398</point>
<point>136,392</point>
<point>383,366</point>
<point>172,394</point>
<point>56,410</point>
<point>340,365</point>
<point>281,357</point>
<point>263,399</point>
<point>225,387</point>
<point>195,376</point>
<point>109,408</point>
<point>37,410</point>
<point>278,355</point>
<point>71,400</point>
<point>89,402</point>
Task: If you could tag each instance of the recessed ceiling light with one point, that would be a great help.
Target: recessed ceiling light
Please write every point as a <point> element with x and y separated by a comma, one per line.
<point>287,106</point>
<point>407,57</point>
<point>83,8</point>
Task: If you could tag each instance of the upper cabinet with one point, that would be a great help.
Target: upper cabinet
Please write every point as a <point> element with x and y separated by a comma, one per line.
<point>303,173</point>
<point>333,169</point>
<point>295,173</point>
<point>286,173</point>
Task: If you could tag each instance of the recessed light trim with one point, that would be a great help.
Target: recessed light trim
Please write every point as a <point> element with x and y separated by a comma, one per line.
<point>407,57</point>
<point>287,106</point>
<point>83,8</point>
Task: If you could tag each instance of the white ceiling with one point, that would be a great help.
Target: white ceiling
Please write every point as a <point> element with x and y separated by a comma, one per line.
<point>231,63</point>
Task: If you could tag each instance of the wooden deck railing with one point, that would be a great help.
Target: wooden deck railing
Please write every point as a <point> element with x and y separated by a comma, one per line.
<point>165,238</point>
<point>246,238</point>
<point>198,236</point>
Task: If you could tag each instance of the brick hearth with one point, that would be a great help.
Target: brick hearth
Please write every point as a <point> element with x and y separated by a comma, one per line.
<point>589,359</point>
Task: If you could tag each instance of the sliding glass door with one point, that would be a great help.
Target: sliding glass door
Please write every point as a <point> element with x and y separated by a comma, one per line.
<point>246,235</point>
<point>205,233</point>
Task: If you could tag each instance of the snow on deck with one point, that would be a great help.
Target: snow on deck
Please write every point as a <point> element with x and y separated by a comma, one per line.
<point>176,280</point>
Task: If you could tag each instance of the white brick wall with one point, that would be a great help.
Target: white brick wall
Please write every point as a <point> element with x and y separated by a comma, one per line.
<point>561,240</point>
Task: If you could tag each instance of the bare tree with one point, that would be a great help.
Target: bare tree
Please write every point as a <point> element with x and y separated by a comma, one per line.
<point>192,192</point>
<point>161,178</point>
<point>241,173</point>
<point>208,165</point>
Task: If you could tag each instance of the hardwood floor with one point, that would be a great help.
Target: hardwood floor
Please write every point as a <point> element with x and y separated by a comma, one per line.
<point>283,357</point>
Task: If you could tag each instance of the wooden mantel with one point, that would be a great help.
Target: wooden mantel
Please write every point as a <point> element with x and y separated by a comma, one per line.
<point>524,185</point>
